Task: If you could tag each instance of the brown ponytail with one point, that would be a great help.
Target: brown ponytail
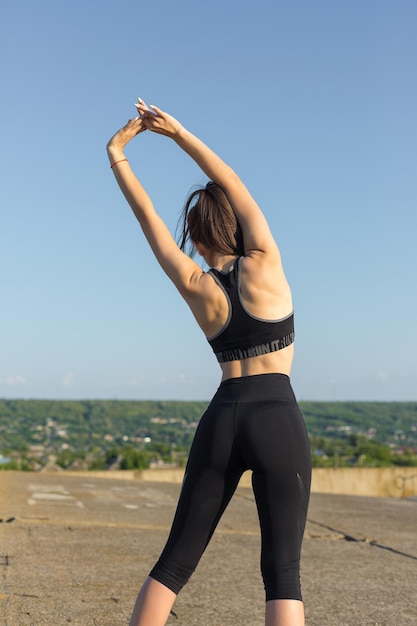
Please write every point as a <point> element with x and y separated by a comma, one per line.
<point>208,218</point>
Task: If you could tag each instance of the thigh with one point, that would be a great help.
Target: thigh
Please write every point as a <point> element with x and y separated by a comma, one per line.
<point>213,471</point>
<point>279,452</point>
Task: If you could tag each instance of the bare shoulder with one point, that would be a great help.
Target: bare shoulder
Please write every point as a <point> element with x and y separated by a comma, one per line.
<point>207,302</point>
<point>201,281</point>
<point>203,288</point>
<point>262,266</point>
<point>264,286</point>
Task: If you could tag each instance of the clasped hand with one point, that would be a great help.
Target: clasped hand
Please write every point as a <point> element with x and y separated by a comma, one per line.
<point>150,118</point>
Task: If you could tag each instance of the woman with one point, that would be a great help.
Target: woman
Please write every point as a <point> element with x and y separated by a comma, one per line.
<point>243,305</point>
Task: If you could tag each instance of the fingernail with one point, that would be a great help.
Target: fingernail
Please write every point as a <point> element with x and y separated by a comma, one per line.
<point>140,100</point>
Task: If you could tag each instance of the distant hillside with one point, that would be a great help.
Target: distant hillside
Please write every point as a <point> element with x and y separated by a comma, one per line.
<point>85,423</point>
<point>41,429</point>
<point>386,421</point>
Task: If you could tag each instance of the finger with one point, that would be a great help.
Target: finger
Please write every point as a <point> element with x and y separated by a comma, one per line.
<point>142,104</point>
<point>157,110</point>
<point>146,122</point>
<point>144,112</point>
<point>144,108</point>
<point>135,126</point>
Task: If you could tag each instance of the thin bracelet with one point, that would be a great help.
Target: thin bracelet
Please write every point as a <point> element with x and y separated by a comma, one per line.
<point>113,164</point>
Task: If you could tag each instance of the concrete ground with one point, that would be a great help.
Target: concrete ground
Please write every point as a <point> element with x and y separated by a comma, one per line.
<point>75,549</point>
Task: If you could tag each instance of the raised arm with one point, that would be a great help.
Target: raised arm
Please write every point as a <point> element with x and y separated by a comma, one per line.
<point>256,233</point>
<point>182,270</point>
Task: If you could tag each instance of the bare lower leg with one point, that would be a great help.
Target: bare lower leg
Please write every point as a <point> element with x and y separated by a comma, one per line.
<point>153,604</point>
<point>284,613</point>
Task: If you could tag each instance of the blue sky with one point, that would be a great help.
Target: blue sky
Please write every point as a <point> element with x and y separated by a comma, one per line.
<point>313,104</point>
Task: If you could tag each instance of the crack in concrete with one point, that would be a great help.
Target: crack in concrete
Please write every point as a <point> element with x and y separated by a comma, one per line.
<point>371,542</point>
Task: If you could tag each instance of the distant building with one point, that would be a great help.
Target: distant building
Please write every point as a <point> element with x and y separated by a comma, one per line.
<point>51,466</point>
<point>78,465</point>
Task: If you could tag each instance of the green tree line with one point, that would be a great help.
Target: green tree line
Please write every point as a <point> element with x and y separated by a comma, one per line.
<point>136,434</point>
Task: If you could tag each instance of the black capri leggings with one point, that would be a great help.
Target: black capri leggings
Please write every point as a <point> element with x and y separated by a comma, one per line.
<point>252,423</point>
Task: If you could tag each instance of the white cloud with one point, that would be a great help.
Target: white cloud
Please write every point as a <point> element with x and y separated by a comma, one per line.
<point>15,380</point>
<point>136,381</point>
<point>68,380</point>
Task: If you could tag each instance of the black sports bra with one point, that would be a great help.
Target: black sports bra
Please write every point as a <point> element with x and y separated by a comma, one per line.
<point>244,335</point>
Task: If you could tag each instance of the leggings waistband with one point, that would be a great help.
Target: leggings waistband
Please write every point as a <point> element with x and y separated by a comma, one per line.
<point>255,388</point>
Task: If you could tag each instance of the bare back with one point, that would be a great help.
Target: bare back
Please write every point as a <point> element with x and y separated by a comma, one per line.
<point>265,294</point>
